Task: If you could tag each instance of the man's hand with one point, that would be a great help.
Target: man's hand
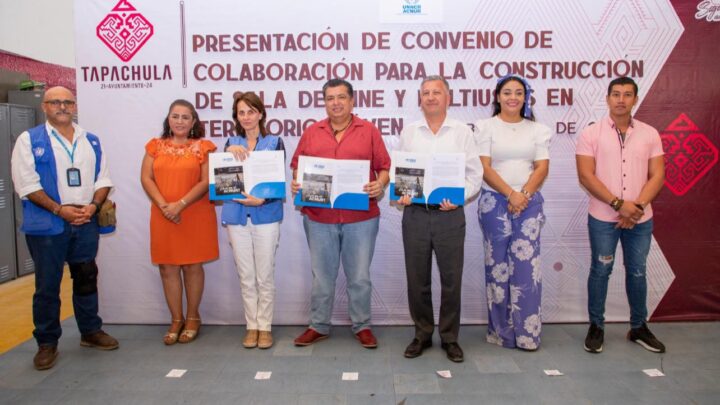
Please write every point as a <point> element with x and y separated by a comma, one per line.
<point>446,205</point>
<point>405,200</point>
<point>374,188</point>
<point>73,215</point>
<point>294,187</point>
<point>88,212</point>
<point>630,211</point>
<point>625,223</point>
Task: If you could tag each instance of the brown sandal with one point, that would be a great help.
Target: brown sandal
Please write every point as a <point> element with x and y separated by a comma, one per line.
<point>171,338</point>
<point>188,335</point>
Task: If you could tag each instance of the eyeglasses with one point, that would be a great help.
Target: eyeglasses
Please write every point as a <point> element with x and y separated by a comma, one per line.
<point>57,103</point>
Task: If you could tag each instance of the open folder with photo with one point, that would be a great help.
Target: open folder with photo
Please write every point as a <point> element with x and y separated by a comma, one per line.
<point>333,183</point>
<point>261,175</point>
<point>428,178</point>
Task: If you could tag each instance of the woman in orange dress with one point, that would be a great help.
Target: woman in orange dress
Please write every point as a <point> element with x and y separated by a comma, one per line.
<point>183,226</point>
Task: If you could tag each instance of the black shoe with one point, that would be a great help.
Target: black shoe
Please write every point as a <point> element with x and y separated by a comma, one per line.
<point>416,347</point>
<point>594,339</point>
<point>454,352</point>
<point>646,339</point>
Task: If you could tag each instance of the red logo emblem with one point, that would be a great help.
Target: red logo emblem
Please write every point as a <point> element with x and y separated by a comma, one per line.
<point>689,154</point>
<point>124,30</point>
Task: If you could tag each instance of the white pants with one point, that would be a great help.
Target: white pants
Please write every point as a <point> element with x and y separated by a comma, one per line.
<point>254,249</point>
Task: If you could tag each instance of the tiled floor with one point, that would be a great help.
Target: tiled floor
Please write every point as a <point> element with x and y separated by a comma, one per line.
<point>220,370</point>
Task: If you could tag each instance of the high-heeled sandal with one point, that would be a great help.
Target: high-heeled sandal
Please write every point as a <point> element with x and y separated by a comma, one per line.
<point>188,335</point>
<point>171,338</point>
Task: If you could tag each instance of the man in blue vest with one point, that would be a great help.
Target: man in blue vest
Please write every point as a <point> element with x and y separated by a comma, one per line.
<point>61,176</point>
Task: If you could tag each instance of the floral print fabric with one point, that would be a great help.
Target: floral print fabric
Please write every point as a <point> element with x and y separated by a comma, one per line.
<point>512,270</point>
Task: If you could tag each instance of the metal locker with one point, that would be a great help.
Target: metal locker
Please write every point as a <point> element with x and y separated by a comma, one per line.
<point>22,118</point>
<point>14,256</point>
<point>31,98</point>
<point>8,265</point>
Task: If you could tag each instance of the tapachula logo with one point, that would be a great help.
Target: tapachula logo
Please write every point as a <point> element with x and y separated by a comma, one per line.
<point>124,30</point>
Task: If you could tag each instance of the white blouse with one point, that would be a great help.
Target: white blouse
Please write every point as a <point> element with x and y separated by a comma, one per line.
<point>512,147</point>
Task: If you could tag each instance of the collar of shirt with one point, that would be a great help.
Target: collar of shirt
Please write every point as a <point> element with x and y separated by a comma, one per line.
<point>79,132</point>
<point>327,126</point>
<point>448,123</point>
<point>612,123</point>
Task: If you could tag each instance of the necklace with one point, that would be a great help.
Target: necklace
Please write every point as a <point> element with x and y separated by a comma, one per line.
<point>337,131</point>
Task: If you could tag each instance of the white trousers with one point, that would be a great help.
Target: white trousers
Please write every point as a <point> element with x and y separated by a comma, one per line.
<point>254,249</point>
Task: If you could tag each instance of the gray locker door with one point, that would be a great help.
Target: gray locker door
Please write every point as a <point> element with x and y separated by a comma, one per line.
<point>8,267</point>
<point>30,98</point>
<point>22,118</point>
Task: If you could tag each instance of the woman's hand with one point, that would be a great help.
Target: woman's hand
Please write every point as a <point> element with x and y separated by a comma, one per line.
<point>517,202</point>
<point>249,201</point>
<point>171,211</point>
<point>238,151</point>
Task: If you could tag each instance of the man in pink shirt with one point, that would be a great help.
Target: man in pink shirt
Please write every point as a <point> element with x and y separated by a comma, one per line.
<point>620,164</point>
<point>339,235</point>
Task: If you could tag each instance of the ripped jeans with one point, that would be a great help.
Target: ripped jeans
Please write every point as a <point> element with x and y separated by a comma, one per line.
<point>635,243</point>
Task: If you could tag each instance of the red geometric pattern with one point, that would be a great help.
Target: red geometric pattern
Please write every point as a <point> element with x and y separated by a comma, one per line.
<point>689,154</point>
<point>123,31</point>
<point>50,74</point>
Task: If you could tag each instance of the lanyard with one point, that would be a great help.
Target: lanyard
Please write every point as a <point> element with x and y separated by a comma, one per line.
<point>70,154</point>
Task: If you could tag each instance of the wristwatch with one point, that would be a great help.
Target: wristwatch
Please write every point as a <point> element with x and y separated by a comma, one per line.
<point>97,206</point>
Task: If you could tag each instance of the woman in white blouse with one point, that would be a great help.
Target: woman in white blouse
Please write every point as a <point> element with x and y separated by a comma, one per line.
<point>515,158</point>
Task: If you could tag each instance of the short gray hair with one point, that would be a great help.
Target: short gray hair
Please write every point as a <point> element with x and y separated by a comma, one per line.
<point>433,78</point>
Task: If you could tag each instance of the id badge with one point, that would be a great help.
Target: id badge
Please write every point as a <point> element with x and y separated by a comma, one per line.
<point>73,177</point>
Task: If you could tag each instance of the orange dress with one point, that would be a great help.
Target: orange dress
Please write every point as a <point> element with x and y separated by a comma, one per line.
<point>176,169</point>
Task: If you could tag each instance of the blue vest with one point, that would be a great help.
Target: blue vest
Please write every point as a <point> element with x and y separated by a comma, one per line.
<point>237,214</point>
<point>37,220</point>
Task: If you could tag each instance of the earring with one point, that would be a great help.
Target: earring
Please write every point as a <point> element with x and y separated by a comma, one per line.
<point>192,132</point>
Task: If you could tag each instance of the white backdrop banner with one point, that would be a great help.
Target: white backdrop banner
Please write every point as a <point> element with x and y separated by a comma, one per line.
<point>135,57</point>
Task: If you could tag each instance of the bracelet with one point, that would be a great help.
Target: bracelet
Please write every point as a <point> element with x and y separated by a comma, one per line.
<point>617,203</point>
<point>526,193</point>
<point>97,205</point>
<point>183,202</point>
<point>57,210</point>
<point>511,191</point>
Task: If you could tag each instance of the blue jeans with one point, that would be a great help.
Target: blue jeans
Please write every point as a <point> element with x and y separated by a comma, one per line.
<point>330,244</point>
<point>635,242</point>
<point>75,245</point>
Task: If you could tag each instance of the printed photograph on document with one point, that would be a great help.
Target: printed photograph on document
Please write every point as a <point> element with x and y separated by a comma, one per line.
<point>229,180</point>
<point>316,188</point>
<point>409,181</point>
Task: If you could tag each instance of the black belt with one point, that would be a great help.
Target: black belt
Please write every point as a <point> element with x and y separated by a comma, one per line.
<point>429,207</point>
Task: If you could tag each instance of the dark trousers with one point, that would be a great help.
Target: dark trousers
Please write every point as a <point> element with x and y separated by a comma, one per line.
<point>425,231</point>
<point>75,245</point>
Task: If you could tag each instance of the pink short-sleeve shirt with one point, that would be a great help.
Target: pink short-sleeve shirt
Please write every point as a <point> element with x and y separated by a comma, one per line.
<point>621,166</point>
